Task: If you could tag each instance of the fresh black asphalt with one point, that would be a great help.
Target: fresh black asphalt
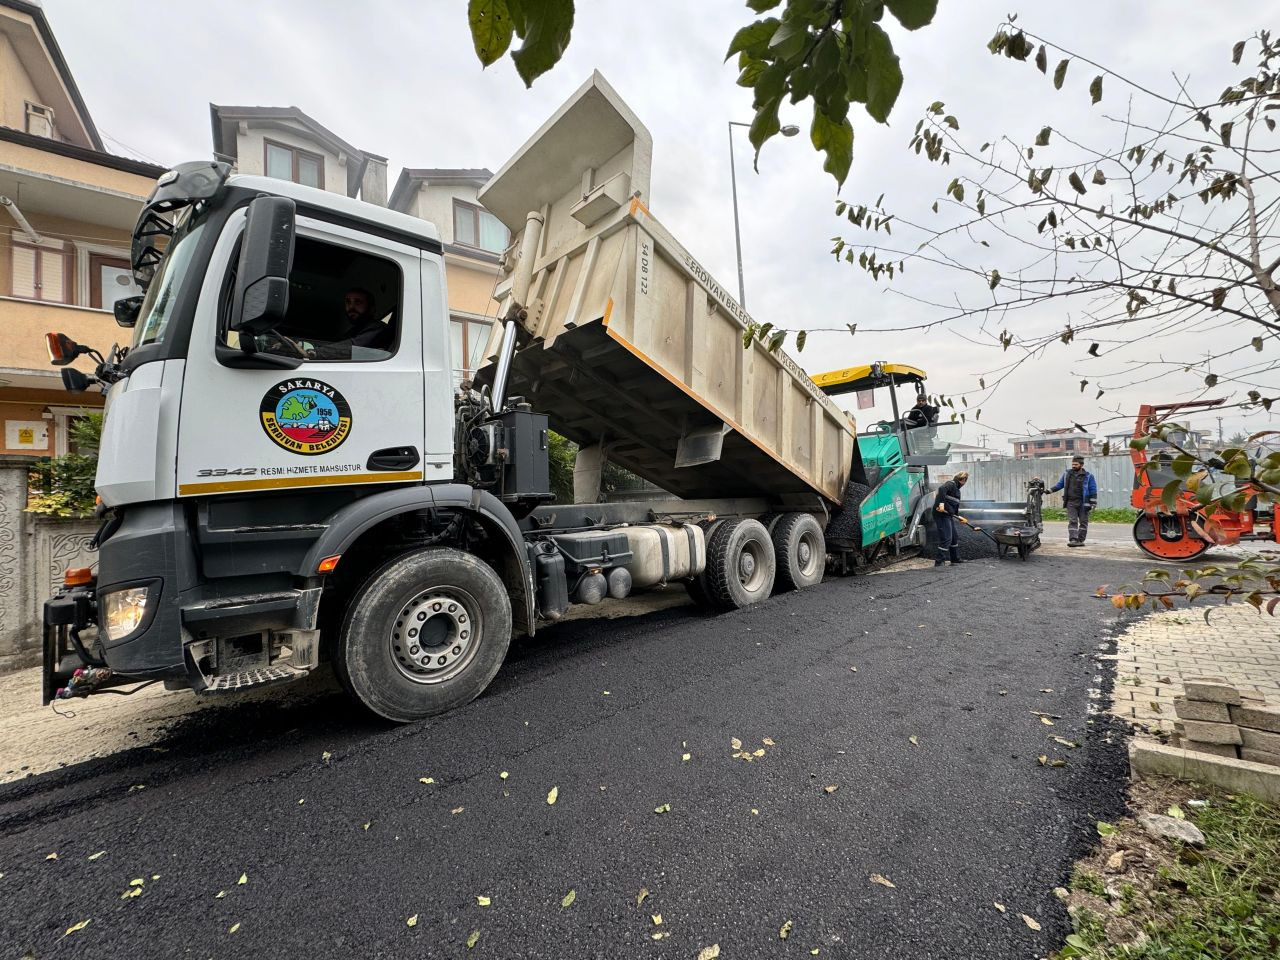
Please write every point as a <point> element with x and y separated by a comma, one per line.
<point>962,819</point>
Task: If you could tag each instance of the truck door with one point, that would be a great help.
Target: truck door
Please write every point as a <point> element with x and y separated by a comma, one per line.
<point>352,411</point>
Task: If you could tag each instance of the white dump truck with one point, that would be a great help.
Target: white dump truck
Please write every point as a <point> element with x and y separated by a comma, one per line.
<point>280,488</point>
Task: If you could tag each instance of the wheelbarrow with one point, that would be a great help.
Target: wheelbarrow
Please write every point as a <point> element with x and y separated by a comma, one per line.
<point>1014,526</point>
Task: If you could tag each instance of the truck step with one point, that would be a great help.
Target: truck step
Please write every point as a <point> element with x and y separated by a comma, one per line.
<point>258,677</point>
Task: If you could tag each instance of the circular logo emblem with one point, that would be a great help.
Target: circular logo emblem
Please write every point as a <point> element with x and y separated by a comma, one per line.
<point>305,416</point>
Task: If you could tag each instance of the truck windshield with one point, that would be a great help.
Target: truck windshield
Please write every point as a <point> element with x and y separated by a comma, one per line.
<point>158,305</point>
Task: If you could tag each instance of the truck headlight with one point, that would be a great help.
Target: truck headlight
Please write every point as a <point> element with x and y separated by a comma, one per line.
<point>123,610</point>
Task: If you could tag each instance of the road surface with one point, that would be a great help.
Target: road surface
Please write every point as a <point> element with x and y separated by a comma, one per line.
<point>304,829</point>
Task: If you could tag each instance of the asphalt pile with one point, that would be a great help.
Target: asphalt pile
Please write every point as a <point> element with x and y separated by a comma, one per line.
<point>970,544</point>
<point>847,522</point>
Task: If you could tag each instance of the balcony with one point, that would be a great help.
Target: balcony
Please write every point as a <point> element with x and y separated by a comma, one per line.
<point>25,360</point>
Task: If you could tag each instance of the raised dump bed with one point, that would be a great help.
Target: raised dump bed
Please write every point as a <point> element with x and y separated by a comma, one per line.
<point>631,344</point>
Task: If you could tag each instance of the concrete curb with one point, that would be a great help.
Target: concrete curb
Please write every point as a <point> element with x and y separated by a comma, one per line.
<point>1260,780</point>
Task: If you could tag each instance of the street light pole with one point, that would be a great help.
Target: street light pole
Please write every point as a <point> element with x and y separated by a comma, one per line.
<point>790,130</point>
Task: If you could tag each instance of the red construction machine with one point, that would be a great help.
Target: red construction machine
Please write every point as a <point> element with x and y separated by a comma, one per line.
<point>1187,530</point>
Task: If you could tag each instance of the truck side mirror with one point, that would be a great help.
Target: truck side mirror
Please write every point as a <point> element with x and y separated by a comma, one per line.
<point>62,349</point>
<point>261,296</point>
<point>126,311</point>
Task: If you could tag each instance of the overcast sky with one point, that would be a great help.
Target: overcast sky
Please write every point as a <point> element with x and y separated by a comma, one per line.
<point>400,79</point>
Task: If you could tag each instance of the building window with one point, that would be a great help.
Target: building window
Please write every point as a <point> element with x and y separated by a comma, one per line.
<point>110,279</point>
<point>289,163</point>
<point>467,339</point>
<point>475,226</point>
<point>41,272</point>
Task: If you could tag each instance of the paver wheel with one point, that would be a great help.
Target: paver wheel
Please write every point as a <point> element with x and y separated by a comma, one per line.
<point>799,552</point>
<point>424,634</point>
<point>740,564</point>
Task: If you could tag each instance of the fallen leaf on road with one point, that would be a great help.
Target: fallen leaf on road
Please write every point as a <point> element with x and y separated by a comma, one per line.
<point>473,939</point>
<point>686,757</point>
<point>1057,763</point>
<point>569,897</point>
<point>412,921</point>
<point>1029,922</point>
<point>52,856</point>
<point>659,935</point>
<point>735,743</point>
<point>137,882</point>
<point>95,856</point>
<point>785,931</point>
<point>426,779</point>
<point>915,741</point>
<point>301,802</point>
<point>1070,744</point>
<point>657,919</point>
<point>1176,812</point>
<point>1046,721</point>
<point>758,753</point>
<point>831,788</point>
<point>999,906</point>
<point>1106,829</point>
<point>853,669</point>
<point>131,893</point>
<point>709,953</point>
<point>244,878</point>
<point>815,951</point>
<point>326,757</point>
<point>605,692</point>
<point>1155,707</point>
<point>503,775</point>
<point>220,894</point>
<point>483,901</point>
<point>1042,759</point>
<point>1004,693</point>
<point>755,812</point>
<point>553,796</point>
<point>234,927</point>
<point>366,826</point>
<point>768,742</point>
<point>79,926</point>
<point>1046,689</point>
<point>640,897</point>
<point>883,881</point>
<point>455,811</point>
<point>665,808</point>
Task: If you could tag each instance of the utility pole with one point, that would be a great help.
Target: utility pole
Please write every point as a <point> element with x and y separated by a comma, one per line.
<point>1220,441</point>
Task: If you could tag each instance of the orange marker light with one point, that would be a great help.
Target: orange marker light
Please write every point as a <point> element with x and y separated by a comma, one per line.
<point>328,563</point>
<point>77,576</point>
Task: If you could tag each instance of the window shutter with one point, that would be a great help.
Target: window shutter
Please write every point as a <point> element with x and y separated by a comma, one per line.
<point>24,272</point>
<point>53,280</point>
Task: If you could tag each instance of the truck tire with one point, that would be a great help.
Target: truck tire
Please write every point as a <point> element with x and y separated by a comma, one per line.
<point>800,553</point>
<point>740,564</point>
<point>425,633</point>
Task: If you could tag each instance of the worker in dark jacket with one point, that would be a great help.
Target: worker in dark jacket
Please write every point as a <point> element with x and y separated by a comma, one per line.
<point>946,508</point>
<point>1079,496</point>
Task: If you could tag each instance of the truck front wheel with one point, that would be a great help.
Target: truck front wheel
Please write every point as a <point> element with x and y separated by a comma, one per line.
<point>740,564</point>
<point>425,633</point>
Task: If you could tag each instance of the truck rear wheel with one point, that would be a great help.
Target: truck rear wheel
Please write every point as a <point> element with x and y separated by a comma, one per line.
<point>426,633</point>
<point>799,552</point>
<point>740,564</point>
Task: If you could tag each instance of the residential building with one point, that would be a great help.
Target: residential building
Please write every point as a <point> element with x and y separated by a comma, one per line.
<point>474,241</point>
<point>1058,442</point>
<point>968,453</point>
<point>67,209</point>
<point>1193,440</point>
<point>284,142</point>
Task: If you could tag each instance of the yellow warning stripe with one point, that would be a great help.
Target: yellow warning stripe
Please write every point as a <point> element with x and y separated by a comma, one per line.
<point>278,483</point>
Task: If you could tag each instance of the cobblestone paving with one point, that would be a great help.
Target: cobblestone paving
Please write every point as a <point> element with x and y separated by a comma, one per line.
<point>1155,656</point>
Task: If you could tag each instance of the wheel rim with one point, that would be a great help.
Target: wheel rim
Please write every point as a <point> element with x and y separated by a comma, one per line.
<point>436,634</point>
<point>808,553</point>
<point>751,566</point>
<point>1167,544</point>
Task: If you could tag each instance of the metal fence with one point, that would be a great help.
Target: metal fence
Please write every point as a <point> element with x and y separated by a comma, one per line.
<point>1007,479</point>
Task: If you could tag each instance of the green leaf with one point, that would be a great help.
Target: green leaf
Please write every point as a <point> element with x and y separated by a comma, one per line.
<point>764,125</point>
<point>788,40</point>
<point>760,6</point>
<point>1042,139</point>
<point>1106,829</point>
<point>913,14</point>
<point>1237,52</point>
<point>753,39</point>
<point>1060,74</point>
<point>884,73</point>
<point>836,141</point>
<point>569,898</point>
<point>1095,88</point>
<point>491,28</point>
<point>801,337</point>
<point>547,25</point>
